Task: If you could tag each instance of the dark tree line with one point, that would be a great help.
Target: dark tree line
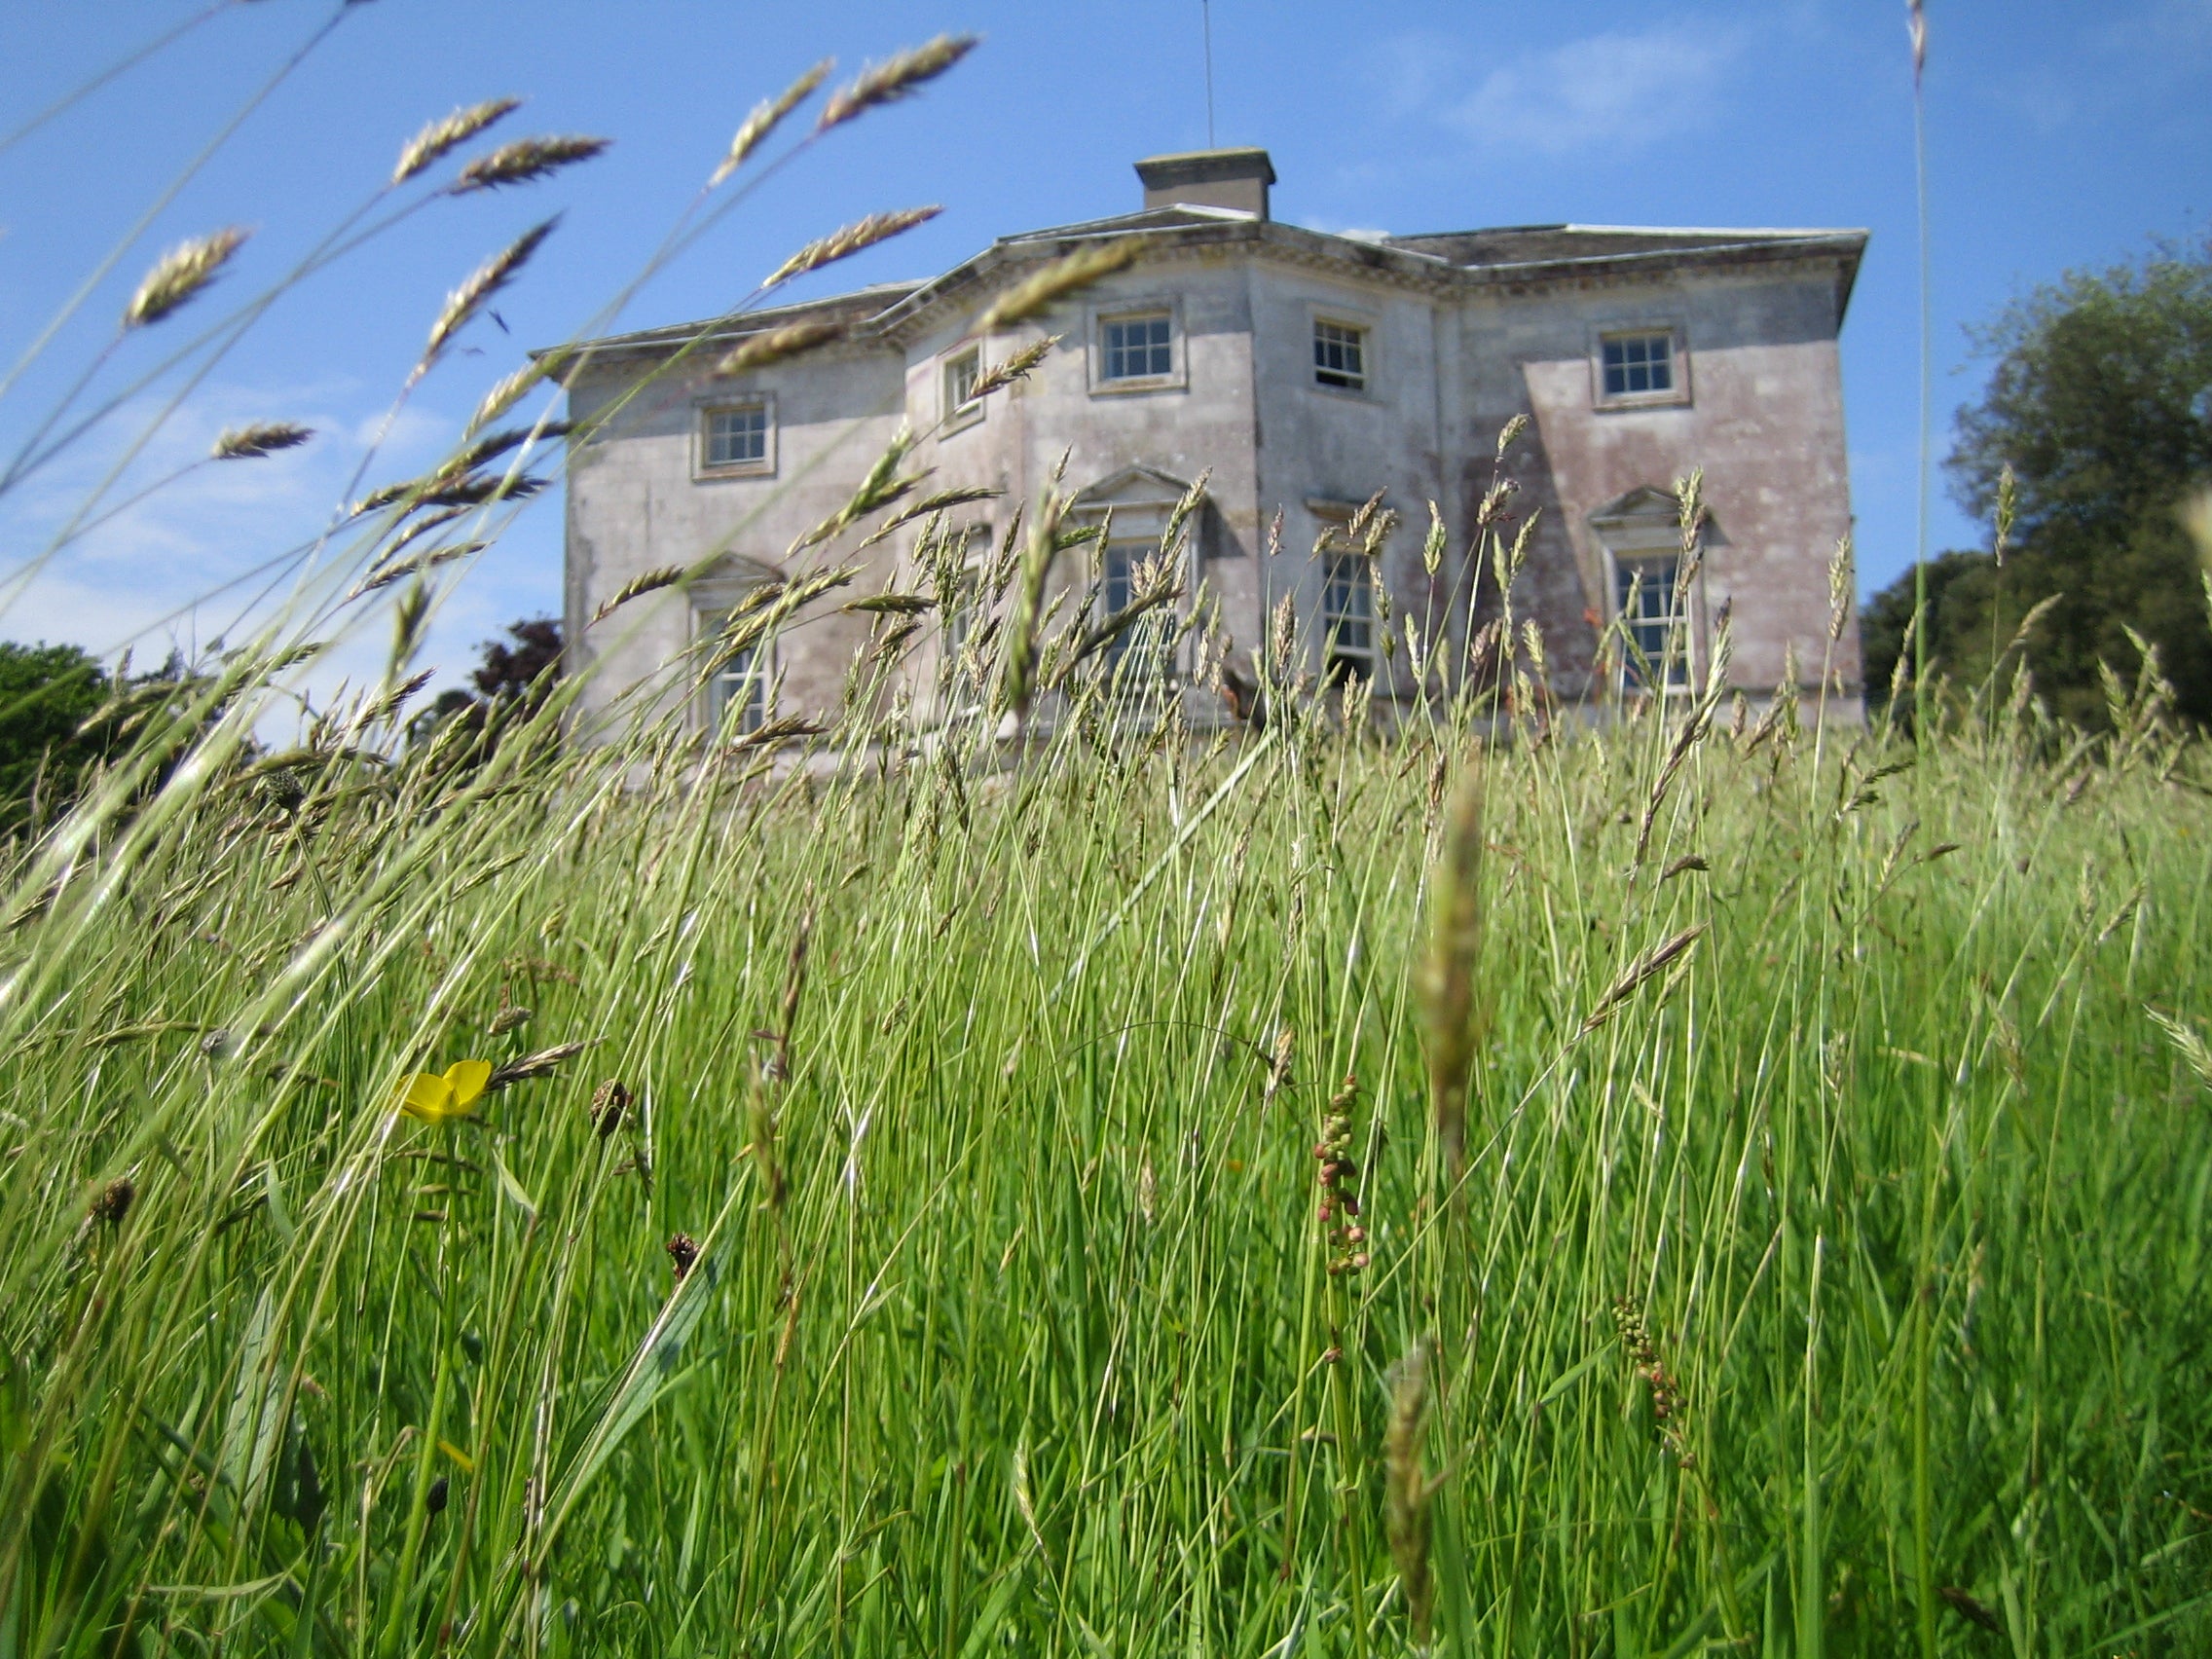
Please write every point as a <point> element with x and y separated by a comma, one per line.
<point>2100,403</point>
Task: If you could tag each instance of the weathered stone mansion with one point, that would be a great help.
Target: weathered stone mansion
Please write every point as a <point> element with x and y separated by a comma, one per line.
<point>1302,372</point>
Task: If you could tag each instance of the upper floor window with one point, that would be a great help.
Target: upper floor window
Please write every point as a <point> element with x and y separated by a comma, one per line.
<point>1137,348</point>
<point>1339,355</point>
<point>1638,365</point>
<point>962,370</point>
<point>737,437</point>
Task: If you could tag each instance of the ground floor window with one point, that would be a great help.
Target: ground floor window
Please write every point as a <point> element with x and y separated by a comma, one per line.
<point>1347,617</point>
<point>737,696</point>
<point>1654,618</point>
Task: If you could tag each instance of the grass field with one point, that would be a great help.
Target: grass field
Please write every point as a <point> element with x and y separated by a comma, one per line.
<point>1834,1283</point>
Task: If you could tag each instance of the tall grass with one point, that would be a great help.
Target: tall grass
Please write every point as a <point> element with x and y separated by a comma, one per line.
<point>1849,1264</point>
<point>1466,1180</point>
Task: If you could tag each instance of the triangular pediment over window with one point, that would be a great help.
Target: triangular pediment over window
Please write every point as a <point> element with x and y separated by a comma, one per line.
<point>1646,520</point>
<point>732,576</point>
<point>1137,486</point>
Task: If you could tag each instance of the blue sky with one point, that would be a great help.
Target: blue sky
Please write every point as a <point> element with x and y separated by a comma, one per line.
<point>2060,135</point>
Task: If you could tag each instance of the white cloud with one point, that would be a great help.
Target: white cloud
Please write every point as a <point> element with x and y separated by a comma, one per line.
<point>180,569</point>
<point>1606,91</point>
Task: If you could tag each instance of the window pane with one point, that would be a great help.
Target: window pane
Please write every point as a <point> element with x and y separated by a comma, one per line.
<point>1632,363</point>
<point>1644,593</point>
<point>960,375</point>
<point>1138,348</point>
<point>1339,356</point>
<point>1347,616</point>
<point>737,697</point>
<point>736,436</point>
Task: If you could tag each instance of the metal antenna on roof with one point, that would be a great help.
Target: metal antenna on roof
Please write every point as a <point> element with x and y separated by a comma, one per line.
<point>1205,13</point>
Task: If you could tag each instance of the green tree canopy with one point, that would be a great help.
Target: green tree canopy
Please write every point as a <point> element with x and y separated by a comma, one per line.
<point>48,698</point>
<point>2100,402</point>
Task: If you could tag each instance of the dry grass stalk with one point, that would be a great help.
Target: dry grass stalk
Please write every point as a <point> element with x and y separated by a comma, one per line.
<point>774,345</point>
<point>1278,1066</point>
<point>637,587</point>
<point>525,162</point>
<point>180,273</point>
<point>438,139</point>
<point>899,78</point>
<point>883,485</point>
<point>1020,678</point>
<point>429,559</point>
<point>938,501</point>
<point>421,527</point>
<point>495,273</point>
<point>1456,1024</point>
<point>1644,968</point>
<point>1059,279</point>
<point>1007,371</point>
<point>534,1065</point>
<point>1840,587</point>
<point>780,730</point>
<point>2188,1042</point>
<point>262,437</point>
<point>1405,1489</point>
<point>849,240</point>
<point>890,605</point>
<point>767,114</point>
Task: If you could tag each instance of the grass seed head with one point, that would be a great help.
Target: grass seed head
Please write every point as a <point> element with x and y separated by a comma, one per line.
<point>180,273</point>
<point>526,161</point>
<point>899,78</point>
<point>1454,1022</point>
<point>1406,1487</point>
<point>682,1253</point>
<point>610,1102</point>
<point>113,1202</point>
<point>849,240</point>
<point>495,273</point>
<point>1839,586</point>
<point>1056,280</point>
<point>767,114</point>
<point>262,437</point>
<point>509,391</point>
<point>1019,367</point>
<point>774,345</point>
<point>440,137</point>
<point>650,581</point>
<point>534,1065</point>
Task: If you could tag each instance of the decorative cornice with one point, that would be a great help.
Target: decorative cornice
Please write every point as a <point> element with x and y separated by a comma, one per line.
<point>896,315</point>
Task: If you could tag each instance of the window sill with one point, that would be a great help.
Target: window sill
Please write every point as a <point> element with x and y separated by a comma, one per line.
<point>1348,393</point>
<point>1642,400</point>
<point>1125,387</point>
<point>717,474</point>
<point>960,419</point>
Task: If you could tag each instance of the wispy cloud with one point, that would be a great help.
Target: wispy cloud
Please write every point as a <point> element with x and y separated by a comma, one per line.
<point>200,558</point>
<point>1615,92</point>
<point>1620,90</point>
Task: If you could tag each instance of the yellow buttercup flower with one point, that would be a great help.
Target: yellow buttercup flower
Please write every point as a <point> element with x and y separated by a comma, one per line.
<point>434,1099</point>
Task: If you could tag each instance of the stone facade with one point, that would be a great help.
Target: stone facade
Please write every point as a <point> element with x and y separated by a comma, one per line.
<point>1301,373</point>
